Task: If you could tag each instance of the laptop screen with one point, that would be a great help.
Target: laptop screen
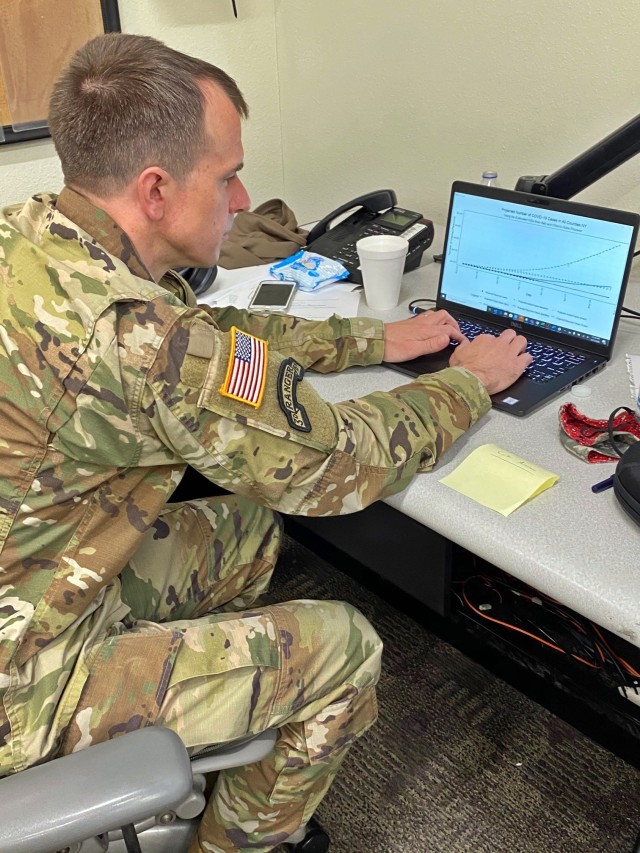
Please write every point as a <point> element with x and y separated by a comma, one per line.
<point>556,265</point>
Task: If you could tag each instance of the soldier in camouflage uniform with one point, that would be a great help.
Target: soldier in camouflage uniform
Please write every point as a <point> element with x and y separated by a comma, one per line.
<point>118,609</point>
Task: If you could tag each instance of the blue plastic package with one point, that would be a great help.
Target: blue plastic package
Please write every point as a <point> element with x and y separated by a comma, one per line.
<point>309,270</point>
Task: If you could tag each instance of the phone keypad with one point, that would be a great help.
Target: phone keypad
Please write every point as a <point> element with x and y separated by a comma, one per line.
<point>348,253</point>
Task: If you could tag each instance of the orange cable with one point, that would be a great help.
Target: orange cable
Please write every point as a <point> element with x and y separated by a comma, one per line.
<point>527,633</point>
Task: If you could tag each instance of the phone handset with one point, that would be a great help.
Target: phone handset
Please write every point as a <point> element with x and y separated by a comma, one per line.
<point>337,234</point>
<point>371,203</point>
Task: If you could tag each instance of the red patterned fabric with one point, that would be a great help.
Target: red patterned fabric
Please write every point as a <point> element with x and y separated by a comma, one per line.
<point>583,432</point>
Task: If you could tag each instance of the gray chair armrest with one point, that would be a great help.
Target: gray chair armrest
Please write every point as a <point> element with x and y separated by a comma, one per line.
<point>245,751</point>
<point>109,785</point>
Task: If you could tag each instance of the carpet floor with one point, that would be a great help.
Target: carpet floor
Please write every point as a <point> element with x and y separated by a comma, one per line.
<point>459,761</point>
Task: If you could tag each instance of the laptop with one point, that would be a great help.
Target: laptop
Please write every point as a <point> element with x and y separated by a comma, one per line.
<point>554,270</point>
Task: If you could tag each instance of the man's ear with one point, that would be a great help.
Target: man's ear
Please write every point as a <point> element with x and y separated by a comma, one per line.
<point>153,187</point>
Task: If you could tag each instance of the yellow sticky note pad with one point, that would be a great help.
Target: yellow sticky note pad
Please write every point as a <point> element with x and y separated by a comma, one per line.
<point>498,479</point>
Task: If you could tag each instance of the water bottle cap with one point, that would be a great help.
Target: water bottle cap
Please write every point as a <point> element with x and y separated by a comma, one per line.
<point>581,391</point>
<point>490,173</point>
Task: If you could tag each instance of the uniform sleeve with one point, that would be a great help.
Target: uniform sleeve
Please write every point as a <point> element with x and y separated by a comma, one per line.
<point>324,346</point>
<point>273,439</point>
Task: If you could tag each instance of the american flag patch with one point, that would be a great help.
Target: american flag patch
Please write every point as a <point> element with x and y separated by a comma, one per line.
<point>247,368</point>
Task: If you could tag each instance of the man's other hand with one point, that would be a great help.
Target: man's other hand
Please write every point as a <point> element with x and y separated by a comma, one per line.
<point>426,333</point>
<point>497,362</point>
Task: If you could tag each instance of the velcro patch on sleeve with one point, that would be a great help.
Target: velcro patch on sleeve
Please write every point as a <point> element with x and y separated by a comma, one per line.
<point>247,368</point>
<point>200,351</point>
<point>201,340</point>
<point>289,374</point>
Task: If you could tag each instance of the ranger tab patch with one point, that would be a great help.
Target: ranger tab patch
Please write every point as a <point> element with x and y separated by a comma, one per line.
<point>247,369</point>
<point>289,374</point>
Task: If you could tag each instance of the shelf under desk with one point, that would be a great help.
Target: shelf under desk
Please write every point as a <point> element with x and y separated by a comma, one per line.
<point>415,569</point>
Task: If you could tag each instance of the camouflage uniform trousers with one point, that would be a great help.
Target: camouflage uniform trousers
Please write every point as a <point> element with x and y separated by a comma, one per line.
<point>308,668</point>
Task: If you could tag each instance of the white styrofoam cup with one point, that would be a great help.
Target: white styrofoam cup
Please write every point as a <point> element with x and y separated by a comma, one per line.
<point>382,259</point>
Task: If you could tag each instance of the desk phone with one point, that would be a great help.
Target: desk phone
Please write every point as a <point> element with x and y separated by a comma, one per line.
<point>373,213</point>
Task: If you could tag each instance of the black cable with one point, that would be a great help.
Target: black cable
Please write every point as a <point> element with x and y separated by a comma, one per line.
<point>610,421</point>
<point>630,673</point>
<point>130,838</point>
<point>625,676</point>
<point>608,655</point>
<point>417,309</point>
<point>546,634</point>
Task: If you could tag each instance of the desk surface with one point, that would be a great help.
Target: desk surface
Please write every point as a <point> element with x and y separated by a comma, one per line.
<point>575,546</point>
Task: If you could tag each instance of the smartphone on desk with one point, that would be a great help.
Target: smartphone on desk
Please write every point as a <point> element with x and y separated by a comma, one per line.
<point>272,295</point>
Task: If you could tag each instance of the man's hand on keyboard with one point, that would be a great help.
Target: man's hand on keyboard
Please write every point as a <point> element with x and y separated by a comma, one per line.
<point>496,361</point>
<point>428,332</point>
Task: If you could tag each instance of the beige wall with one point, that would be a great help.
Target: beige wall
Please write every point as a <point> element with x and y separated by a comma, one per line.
<point>416,93</point>
<point>352,95</point>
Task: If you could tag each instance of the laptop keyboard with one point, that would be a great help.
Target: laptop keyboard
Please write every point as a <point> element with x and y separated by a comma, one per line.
<point>548,362</point>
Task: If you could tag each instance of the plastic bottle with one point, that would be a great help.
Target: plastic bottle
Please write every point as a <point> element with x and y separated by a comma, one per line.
<point>489,178</point>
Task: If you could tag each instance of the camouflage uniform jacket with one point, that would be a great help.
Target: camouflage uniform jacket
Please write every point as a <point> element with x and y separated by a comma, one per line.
<point>109,384</point>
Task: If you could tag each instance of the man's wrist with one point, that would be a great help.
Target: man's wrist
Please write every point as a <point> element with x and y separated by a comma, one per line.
<point>480,376</point>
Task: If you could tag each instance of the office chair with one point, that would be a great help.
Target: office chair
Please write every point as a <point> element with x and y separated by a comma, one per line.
<point>200,278</point>
<point>137,793</point>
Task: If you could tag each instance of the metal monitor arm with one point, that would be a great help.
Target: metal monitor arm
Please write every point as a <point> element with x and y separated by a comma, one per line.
<point>588,167</point>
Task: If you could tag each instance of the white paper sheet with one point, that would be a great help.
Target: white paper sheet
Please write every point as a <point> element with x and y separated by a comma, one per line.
<point>235,287</point>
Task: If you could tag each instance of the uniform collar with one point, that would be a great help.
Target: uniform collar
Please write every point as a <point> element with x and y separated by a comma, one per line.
<point>99,225</point>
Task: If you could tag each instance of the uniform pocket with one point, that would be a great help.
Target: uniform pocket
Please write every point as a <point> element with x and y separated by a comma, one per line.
<point>225,679</point>
<point>128,679</point>
<point>217,644</point>
<point>309,753</point>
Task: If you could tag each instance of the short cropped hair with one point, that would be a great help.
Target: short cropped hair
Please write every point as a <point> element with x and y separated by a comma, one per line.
<point>126,102</point>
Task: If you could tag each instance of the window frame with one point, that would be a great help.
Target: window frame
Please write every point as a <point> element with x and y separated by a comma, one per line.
<point>9,136</point>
